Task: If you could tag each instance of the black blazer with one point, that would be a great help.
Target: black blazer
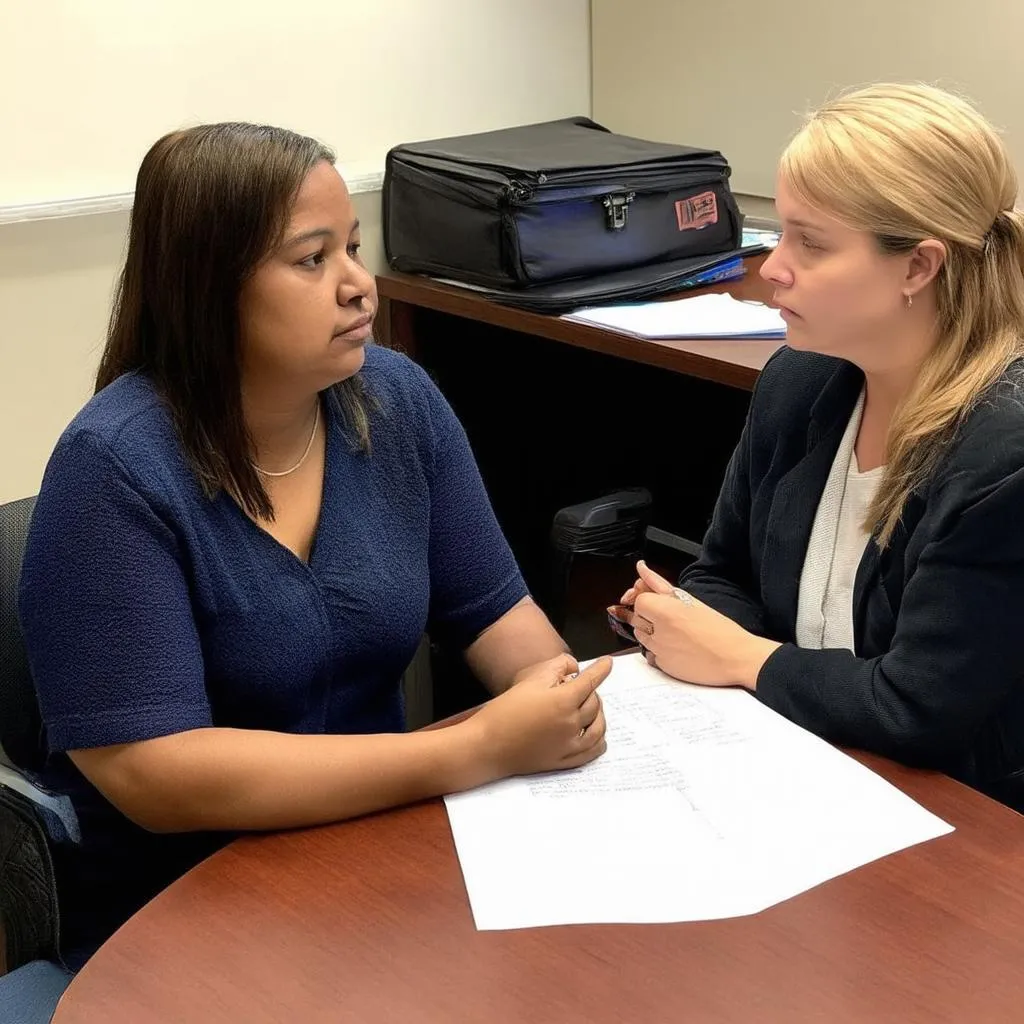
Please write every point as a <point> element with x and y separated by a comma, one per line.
<point>937,679</point>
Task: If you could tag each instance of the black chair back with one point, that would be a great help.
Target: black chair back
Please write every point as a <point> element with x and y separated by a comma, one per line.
<point>21,730</point>
<point>28,897</point>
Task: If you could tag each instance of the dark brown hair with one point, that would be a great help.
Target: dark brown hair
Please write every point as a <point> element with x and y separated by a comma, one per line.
<point>210,203</point>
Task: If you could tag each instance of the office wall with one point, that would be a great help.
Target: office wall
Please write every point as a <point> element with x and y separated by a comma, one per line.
<point>738,74</point>
<point>360,76</point>
<point>87,86</point>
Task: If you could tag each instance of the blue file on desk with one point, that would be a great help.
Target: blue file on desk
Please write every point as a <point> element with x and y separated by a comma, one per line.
<point>727,270</point>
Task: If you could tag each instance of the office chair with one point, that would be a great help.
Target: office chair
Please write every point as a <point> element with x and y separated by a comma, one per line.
<point>595,545</point>
<point>28,894</point>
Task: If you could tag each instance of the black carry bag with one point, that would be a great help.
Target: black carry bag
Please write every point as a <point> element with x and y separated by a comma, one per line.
<point>558,214</point>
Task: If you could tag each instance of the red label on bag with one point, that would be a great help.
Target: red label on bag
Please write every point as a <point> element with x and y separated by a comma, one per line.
<point>697,212</point>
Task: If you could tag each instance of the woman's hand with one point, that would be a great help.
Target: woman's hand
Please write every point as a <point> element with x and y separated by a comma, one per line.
<point>547,721</point>
<point>686,638</point>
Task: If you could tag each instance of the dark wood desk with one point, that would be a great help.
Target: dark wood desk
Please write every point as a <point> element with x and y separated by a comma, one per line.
<point>734,362</point>
<point>368,922</point>
<point>560,413</point>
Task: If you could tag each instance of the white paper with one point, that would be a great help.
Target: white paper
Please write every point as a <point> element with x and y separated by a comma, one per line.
<point>760,236</point>
<point>700,316</point>
<point>706,805</point>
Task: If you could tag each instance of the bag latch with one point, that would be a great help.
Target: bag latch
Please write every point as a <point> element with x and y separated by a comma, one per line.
<point>616,208</point>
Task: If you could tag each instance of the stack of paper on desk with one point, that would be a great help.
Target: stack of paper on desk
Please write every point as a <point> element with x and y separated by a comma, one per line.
<point>706,805</point>
<point>702,316</point>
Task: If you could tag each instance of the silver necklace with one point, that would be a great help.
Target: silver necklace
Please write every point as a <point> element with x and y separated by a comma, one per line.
<point>305,454</point>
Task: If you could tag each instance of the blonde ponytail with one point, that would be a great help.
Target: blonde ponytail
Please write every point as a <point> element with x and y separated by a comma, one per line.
<point>909,163</point>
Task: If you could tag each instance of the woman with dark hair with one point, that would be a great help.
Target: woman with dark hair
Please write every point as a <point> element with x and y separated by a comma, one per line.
<point>241,538</point>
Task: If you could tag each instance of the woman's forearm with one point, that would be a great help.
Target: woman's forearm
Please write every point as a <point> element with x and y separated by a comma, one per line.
<point>240,779</point>
<point>521,638</point>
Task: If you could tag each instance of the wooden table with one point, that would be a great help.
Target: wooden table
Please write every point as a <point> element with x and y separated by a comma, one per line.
<point>734,362</point>
<point>368,922</point>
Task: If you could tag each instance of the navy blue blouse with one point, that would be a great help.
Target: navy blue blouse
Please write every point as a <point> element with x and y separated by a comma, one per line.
<point>149,609</point>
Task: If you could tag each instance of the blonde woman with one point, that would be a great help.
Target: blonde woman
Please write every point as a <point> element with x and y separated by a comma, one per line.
<point>864,570</point>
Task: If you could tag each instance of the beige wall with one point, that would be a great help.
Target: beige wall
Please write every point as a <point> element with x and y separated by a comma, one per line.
<point>55,284</point>
<point>56,280</point>
<point>736,75</point>
<point>88,85</point>
<point>402,70</point>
